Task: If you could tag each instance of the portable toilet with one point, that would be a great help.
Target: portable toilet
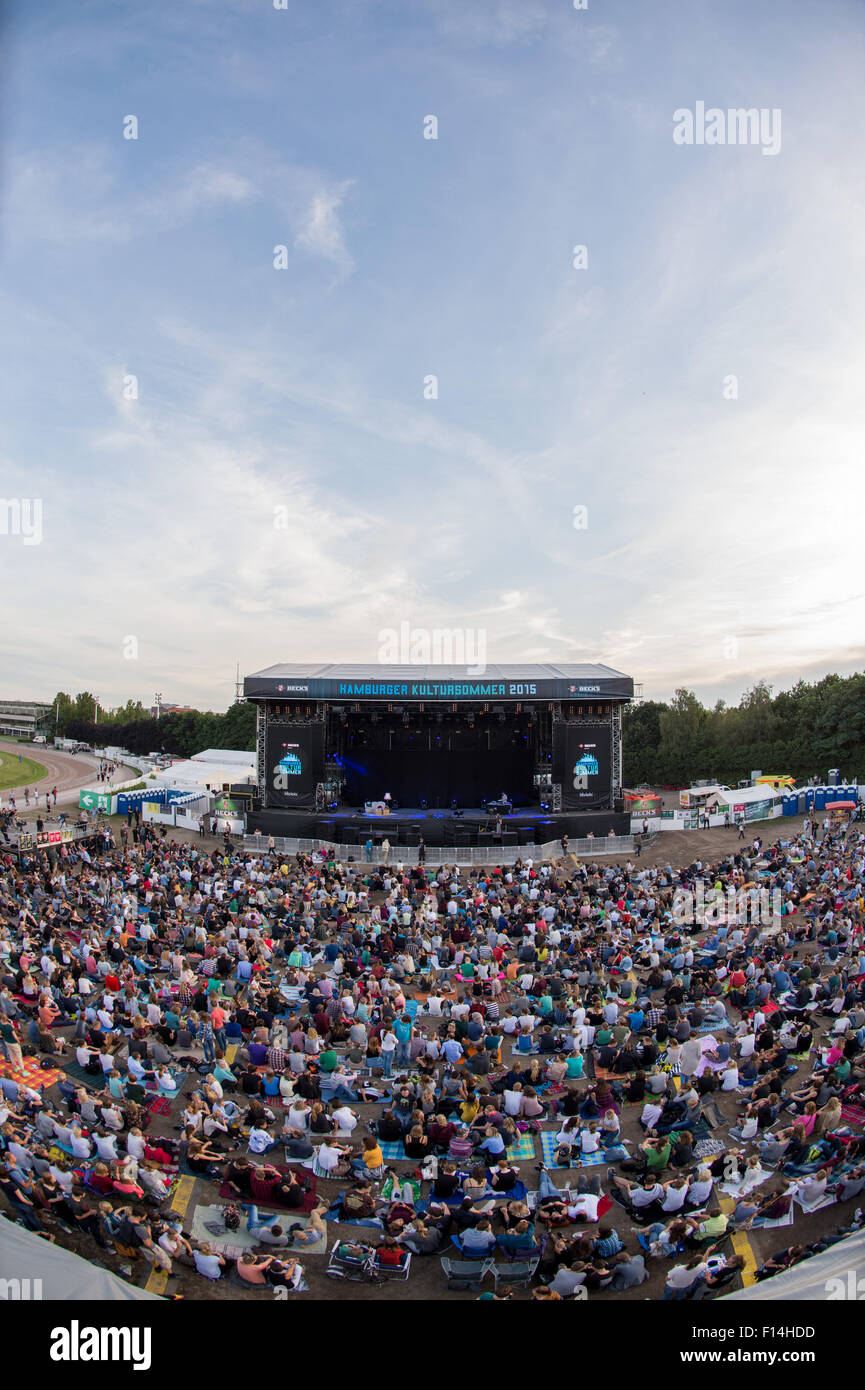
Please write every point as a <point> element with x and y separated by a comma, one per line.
<point>834,778</point>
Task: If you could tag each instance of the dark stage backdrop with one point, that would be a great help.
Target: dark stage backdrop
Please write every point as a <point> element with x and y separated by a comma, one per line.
<point>582,759</point>
<point>472,776</point>
<point>295,763</point>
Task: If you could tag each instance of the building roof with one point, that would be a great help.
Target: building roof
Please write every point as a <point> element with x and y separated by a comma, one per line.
<point>381,680</point>
<point>377,671</point>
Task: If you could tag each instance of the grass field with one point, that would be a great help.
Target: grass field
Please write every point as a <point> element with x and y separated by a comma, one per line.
<point>15,774</point>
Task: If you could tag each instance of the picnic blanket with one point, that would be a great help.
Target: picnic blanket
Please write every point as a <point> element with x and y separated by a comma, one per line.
<point>392,1184</point>
<point>309,1198</point>
<point>853,1115</point>
<point>31,1074</point>
<point>570,1194</point>
<point>765,1223</point>
<point>95,1080</point>
<point>827,1200</point>
<point>707,1147</point>
<point>204,1218</point>
<point>523,1150</point>
<point>335,1213</point>
<point>548,1151</point>
<point>755,1177</point>
<point>393,1151</point>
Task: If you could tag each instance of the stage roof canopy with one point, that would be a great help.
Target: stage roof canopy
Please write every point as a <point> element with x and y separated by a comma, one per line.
<point>382,681</point>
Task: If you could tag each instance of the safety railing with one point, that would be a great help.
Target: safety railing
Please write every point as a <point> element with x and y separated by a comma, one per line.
<point>470,855</point>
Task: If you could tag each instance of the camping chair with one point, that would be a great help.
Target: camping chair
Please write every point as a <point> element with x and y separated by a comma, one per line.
<point>468,1254</point>
<point>515,1275</point>
<point>466,1274</point>
<point>355,1267</point>
<point>517,1256</point>
<point>400,1271</point>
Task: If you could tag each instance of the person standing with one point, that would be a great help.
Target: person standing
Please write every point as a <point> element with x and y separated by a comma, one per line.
<point>421,851</point>
<point>385,849</point>
<point>388,1048</point>
<point>404,1034</point>
<point>11,1043</point>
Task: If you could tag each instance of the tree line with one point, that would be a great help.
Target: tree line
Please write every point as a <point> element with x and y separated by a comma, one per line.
<point>132,727</point>
<point>799,733</point>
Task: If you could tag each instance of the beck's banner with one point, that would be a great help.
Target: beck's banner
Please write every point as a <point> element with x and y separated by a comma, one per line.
<point>295,764</point>
<point>582,761</point>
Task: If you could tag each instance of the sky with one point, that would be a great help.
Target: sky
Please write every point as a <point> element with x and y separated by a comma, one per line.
<point>427,407</point>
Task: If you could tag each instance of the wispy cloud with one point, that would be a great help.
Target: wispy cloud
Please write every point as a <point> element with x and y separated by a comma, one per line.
<point>321,231</point>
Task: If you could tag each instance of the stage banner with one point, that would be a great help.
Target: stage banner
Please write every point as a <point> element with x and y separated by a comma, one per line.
<point>582,762</point>
<point>295,764</point>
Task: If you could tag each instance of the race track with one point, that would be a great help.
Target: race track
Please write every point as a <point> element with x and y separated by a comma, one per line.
<point>65,771</point>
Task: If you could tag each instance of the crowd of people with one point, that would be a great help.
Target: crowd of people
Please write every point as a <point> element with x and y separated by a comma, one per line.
<point>538,1063</point>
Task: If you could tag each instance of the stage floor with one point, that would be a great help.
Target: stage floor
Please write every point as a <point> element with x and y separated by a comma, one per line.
<point>472,825</point>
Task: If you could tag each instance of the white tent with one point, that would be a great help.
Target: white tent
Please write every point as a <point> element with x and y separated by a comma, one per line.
<point>62,1275</point>
<point>836,1275</point>
<point>225,757</point>
<point>193,772</point>
<point>723,797</point>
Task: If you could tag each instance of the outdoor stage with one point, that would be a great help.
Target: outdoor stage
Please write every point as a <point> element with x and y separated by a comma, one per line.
<point>407,827</point>
<point>444,743</point>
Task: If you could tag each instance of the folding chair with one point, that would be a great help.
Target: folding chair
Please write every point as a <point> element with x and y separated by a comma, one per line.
<point>467,1254</point>
<point>466,1274</point>
<point>515,1275</point>
<point>400,1271</point>
<point>359,1267</point>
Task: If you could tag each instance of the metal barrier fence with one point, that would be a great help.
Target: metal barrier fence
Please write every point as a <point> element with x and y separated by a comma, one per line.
<point>469,855</point>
